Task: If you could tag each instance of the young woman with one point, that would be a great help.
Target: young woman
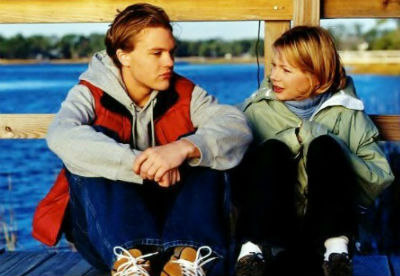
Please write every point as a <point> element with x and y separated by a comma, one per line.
<point>313,160</point>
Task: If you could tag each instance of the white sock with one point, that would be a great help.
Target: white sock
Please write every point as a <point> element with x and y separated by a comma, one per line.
<point>247,248</point>
<point>336,245</point>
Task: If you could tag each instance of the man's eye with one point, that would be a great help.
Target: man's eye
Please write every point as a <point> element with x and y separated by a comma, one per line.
<point>156,53</point>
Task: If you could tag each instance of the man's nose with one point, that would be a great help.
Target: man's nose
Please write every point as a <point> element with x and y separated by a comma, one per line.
<point>169,60</point>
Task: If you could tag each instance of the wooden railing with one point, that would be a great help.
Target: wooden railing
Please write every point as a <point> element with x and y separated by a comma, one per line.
<point>370,57</point>
<point>277,15</point>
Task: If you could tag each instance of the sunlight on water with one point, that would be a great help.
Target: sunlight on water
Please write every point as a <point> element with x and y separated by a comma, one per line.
<point>34,84</point>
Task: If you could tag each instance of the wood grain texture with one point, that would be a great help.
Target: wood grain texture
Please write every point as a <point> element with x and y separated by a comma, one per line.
<point>395,264</point>
<point>34,126</point>
<point>306,12</point>
<point>22,126</point>
<point>71,263</point>
<point>19,263</point>
<point>371,265</point>
<point>360,8</point>
<point>388,125</point>
<point>273,30</point>
<point>63,263</point>
<point>48,11</point>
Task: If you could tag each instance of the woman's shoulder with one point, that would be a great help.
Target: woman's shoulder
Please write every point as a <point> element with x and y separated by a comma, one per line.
<point>263,94</point>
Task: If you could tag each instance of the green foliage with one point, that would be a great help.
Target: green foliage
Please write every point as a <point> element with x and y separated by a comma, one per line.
<point>218,48</point>
<point>78,46</point>
<point>377,38</point>
<point>50,47</point>
<point>389,40</point>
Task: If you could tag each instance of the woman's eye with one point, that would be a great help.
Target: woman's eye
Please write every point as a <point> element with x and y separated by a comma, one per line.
<point>286,70</point>
<point>156,53</point>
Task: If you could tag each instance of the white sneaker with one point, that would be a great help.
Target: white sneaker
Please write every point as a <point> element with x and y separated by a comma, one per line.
<point>188,262</point>
<point>131,263</point>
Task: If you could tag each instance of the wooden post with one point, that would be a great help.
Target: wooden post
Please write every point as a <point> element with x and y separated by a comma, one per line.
<point>273,29</point>
<point>306,12</point>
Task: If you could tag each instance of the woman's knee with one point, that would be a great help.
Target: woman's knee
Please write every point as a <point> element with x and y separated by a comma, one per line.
<point>275,148</point>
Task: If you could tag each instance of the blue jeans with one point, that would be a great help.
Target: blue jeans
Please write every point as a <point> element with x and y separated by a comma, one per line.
<point>104,213</point>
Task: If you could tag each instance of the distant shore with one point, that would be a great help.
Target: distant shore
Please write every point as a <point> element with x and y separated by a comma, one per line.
<point>352,68</point>
<point>191,60</point>
<point>376,69</point>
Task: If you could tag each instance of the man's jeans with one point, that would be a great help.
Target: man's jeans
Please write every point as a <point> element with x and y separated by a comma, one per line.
<point>104,213</point>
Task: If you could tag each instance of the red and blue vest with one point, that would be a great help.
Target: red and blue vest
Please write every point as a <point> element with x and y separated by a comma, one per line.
<point>172,120</point>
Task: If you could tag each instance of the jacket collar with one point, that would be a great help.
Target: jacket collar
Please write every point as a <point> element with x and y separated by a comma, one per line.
<point>345,97</point>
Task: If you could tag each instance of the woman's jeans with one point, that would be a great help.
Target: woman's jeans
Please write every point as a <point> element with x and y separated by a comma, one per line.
<point>266,198</point>
<point>105,213</point>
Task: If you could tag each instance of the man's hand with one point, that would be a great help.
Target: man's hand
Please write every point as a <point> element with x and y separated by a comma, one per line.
<point>170,178</point>
<point>154,162</point>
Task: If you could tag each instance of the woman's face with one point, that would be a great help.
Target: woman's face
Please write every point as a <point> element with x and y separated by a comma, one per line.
<point>289,82</point>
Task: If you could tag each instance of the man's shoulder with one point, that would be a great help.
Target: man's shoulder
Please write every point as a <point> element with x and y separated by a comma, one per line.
<point>182,84</point>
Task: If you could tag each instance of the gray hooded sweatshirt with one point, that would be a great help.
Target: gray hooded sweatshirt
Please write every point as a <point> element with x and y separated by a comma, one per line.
<point>222,134</point>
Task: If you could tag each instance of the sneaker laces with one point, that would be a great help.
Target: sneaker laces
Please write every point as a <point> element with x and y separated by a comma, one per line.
<point>258,256</point>
<point>132,265</point>
<point>195,268</point>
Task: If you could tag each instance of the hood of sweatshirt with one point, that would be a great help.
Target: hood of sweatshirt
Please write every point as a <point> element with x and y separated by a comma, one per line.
<point>103,73</point>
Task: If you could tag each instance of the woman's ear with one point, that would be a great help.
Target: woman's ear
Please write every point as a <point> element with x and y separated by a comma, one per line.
<point>123,57</point>
<point>317,86</point>
<point>318,90</point>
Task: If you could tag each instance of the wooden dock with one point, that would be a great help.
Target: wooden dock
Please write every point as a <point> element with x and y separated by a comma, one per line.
<point>46,264</point>
<point>71,264</point>
<point>277,15</point>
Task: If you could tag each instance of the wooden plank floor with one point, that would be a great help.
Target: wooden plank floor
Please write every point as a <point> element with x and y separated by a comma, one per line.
<point>395,264</point>
<point>71,264</point>
<point>45,264</point>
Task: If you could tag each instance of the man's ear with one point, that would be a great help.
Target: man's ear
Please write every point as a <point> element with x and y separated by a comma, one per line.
<point>123,57</point>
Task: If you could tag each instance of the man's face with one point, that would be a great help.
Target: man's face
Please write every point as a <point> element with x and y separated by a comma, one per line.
<point>151,63</point>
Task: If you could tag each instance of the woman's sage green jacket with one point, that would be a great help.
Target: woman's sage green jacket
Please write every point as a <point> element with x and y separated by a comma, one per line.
<point>342,117</point>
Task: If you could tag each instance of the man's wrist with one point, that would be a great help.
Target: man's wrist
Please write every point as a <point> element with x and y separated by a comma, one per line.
<point>191,151</point>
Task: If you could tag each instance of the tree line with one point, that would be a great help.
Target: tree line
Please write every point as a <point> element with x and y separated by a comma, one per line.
<point>377,38</point>
<point>78,46</point>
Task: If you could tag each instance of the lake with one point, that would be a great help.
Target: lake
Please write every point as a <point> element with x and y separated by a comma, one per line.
<point>28,168</point>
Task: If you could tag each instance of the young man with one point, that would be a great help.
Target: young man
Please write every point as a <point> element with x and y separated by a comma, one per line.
<point>144,150</point>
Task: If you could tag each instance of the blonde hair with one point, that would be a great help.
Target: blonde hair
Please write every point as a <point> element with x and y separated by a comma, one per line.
<point>312,50</point>
<point>128,23</point>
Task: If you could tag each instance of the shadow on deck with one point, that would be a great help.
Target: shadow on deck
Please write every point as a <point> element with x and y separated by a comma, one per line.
<point>71,264</point>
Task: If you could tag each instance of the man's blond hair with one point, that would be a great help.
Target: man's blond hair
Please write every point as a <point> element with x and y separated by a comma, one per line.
<point>128,23</point>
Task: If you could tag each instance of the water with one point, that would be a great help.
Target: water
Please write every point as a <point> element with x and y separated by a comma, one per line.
<point>28,168</point>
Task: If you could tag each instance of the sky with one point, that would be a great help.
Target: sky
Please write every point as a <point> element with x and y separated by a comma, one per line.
<point>182,30</point>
